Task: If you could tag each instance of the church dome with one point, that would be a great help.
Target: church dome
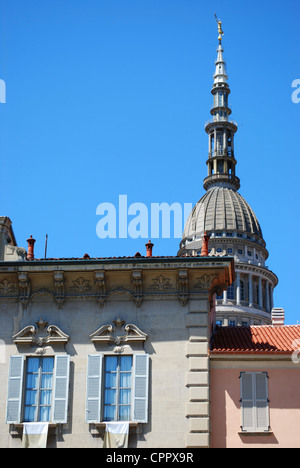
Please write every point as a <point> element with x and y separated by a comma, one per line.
<point>228,221</point>
<point>222,210</point>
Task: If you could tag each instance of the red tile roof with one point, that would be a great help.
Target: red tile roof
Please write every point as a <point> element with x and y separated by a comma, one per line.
<point>257,339</point>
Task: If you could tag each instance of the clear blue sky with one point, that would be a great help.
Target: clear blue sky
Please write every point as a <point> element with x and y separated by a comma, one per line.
<point>110,97</point>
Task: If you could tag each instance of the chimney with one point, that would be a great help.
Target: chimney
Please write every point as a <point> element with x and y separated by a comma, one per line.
<point>30,253</point>
<point>204,248</point>
<point>149,247</point>
<point>277,316</point>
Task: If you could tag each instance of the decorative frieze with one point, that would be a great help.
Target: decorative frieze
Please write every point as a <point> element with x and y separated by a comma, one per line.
<point>161,283</point>
<point>7,287</point>
<point>205,281</point>
<point>81,286</point>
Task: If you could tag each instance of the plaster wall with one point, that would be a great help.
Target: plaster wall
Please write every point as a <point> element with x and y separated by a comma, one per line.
<point>284,396</point>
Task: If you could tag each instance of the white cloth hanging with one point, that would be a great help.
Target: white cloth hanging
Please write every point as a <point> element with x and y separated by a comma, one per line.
<point>35,435</point>
<point>116,434</point>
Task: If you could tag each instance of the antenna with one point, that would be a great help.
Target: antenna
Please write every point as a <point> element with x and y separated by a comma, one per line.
<point>46,244</point>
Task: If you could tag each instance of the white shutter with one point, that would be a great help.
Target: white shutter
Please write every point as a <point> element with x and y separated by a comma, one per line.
<point>61,388</point>
<point>261,400</point>
<point>14,394</point>
<point>94,391</point>
<point>254,401</point>
<point>140,387</point>
<point>247,401</point>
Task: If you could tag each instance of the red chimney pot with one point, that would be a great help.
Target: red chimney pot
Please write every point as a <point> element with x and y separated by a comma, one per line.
<point>149,247</point>
<point>204,249</point>
<point>30,253</point>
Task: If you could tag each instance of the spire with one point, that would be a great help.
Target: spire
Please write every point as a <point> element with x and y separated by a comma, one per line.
<point>221,161</point>
<point>220,76</point>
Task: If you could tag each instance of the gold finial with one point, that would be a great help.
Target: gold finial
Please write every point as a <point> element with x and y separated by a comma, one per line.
<point>220,31</point>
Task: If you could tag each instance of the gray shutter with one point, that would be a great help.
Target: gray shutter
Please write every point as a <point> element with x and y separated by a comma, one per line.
<point>61,388</point>
<point>261,401</point>
<point>247,402</point>
<point>254,400</point>
<point>94,391</point>
<point>140,387</point>
<point>15,386</point>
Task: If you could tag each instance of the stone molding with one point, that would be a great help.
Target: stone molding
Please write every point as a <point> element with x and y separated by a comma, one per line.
<point>118,334</point>
<point>179,279</point>
<point>40,335</point>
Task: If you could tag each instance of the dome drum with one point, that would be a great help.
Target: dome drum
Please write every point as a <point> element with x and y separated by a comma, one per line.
<point>242,249</point>
<point>213,178</point>
<point>249,300</point>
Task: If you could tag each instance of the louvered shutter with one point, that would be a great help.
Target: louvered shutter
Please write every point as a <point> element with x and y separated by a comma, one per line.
<point>254,401</point>
<point>247,402</point>
<point>61,389</point>
<point>261,401</point>
<point>15,385</point>
<point>140,387</point>
<point>94,391</point>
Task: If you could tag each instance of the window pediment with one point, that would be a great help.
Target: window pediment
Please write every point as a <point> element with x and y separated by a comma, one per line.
<point>41,334</point>
<point>119,333</point>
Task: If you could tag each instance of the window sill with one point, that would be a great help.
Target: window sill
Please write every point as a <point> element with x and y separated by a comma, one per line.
<point>16,430</point>
<point>248,433</point>
<point>96,428</point>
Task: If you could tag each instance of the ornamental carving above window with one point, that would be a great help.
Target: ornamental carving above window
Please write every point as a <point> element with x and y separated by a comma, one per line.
<point>41,334</point>
<point>119,333</point>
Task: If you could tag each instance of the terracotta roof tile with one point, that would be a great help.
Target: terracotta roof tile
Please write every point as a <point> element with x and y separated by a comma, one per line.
<point>256,339</point>
<point>86,257</point>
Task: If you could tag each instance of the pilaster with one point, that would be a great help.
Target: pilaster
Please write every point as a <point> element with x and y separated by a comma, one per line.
<point>197,376</point>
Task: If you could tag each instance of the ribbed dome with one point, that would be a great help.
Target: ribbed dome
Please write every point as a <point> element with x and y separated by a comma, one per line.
<point>221,209</point>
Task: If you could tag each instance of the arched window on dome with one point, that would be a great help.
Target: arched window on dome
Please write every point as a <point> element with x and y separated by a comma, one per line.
<point>242,290</point>
<point>256,293</point>
<point>231,291</point>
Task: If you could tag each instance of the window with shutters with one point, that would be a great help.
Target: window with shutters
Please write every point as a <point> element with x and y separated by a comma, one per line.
<point>254,402</point>
<point>117,388</point>
<point>38,389</point>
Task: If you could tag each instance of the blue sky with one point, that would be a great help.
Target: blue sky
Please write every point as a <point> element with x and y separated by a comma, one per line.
<point>110,97</point>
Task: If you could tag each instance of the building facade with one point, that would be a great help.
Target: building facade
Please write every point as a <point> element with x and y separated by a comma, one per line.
<point>255,402</point>
<point>87,341</point>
